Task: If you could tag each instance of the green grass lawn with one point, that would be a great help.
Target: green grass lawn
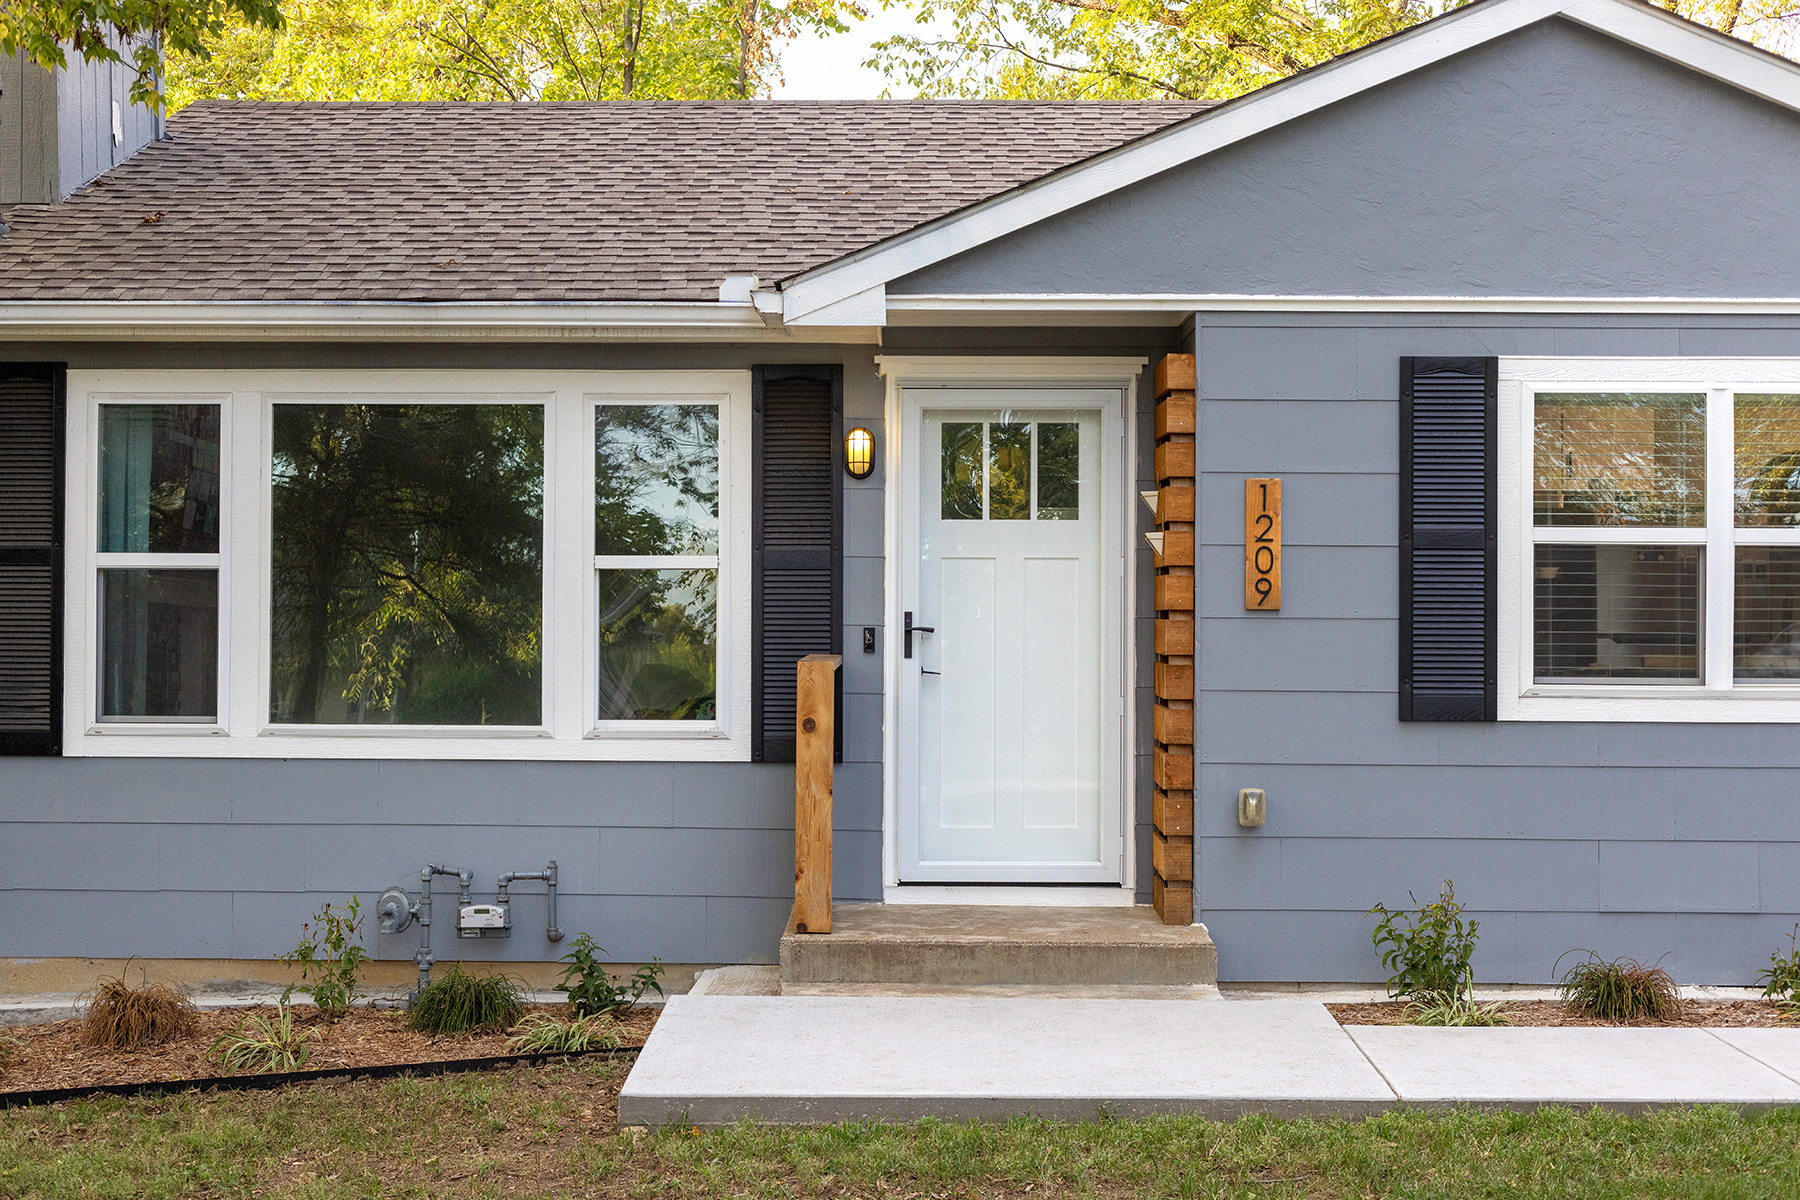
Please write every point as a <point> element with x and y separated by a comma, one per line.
<point>549,1131</point>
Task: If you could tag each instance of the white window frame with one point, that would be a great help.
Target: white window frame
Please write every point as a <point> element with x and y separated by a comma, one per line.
<point>569,729</point>
<point>1717,698</point>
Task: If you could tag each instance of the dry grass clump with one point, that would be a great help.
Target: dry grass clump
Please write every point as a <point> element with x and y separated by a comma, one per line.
<point>122,1017</point>
<point>1620,990</point>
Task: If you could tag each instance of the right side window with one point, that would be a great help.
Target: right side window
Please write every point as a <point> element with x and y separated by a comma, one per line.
<point>1648,566</point>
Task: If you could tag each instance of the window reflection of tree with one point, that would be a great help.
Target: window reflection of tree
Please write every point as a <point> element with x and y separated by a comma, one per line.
<point>656,492</point>
<point>407,564</point>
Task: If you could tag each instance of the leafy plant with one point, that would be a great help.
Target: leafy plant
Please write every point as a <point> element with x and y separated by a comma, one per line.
<point>542,1033</point>
<point>457,1002</point>
<point>1427,950</point>
<point>262,1044</point>
<point>1457,1011</point>
<point>122,1017</point>
<point>1781,978</point>
<point>591,990</point>
<point>1622,989</point>
<point>329,956</point>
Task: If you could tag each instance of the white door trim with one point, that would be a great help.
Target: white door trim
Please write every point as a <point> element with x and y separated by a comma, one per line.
<point>904,371</point>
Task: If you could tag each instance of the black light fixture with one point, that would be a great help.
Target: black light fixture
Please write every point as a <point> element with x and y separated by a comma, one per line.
<point>859,453</point>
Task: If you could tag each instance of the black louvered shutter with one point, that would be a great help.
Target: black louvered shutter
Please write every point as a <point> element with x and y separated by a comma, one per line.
<point>31,540</point>
<point>1448,538</point>
<point>797,544</point>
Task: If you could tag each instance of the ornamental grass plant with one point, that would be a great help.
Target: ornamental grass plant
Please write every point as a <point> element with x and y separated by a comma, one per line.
<point>457,1002</point>
<point>1620,989</point>
<point>122,1017</point>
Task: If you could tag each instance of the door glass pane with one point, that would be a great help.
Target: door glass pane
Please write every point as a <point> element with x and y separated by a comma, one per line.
<point>1618,612</point>
<point>1767,454</point>
<point>656,479</point>
<point>658,645</point>
<point>1620,459</point>
<point>408,566</point>
<point>1009,471</point>
<point>1766,627</point>
<point>159,478</point>
<point>961,458</point>
<point>1059,471</point>
<point>159,644</point>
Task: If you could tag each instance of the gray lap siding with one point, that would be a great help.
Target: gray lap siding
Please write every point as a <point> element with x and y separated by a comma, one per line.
<point>1631,839</point>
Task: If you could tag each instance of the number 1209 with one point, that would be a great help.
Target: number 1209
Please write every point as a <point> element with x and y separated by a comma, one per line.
<point>1262,544</point>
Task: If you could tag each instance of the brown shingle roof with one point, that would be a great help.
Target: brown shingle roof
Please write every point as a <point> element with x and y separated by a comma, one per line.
<point>574,202</point>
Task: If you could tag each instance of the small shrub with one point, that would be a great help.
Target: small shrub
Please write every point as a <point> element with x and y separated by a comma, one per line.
<point>457,1002</point>
<point>1457,1011</point>
<point>9,1046</point>
<point>591,990</point>
<point>262,1044</point>
<point>329,955</point>
<point>1620,990</point>
<point>1781,978</point>
<point>1427,950</point>
<point>122,1017</point>
<point>541,1033</point>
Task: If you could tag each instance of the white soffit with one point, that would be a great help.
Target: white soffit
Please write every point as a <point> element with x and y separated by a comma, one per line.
<point>1633,22</point>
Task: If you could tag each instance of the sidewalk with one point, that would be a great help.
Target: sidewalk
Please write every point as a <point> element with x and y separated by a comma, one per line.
<point>714,1059</point>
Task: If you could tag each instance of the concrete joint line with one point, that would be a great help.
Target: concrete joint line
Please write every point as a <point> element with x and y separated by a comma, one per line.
<point>1373,1065</point>
<point>1758,1061</point>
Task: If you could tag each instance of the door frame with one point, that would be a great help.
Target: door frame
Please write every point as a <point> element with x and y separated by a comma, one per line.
<point>901,372</point>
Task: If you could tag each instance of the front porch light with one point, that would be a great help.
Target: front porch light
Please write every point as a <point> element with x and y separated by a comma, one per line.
<point>859,453</point>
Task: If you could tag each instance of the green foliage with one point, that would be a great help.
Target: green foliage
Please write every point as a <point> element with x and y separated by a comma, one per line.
<point>1622,989</point>
<point>262,1044</point>
<point>329,956</point>
<point>111,30</point>
<point>1427,950</point>
<point>1205,49</point>
<point>504,50</point>
<point>1781,978</point>
<point>1457,1011</point>
<point>457,1002</point>
<point>591,990</point>
<point>542,1033</point>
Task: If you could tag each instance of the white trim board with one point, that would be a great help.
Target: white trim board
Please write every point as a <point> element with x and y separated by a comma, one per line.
<point>1715,55</point>
<point>1106,308</point>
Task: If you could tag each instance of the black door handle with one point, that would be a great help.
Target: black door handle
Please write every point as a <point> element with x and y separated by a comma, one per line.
<point>912,629</point>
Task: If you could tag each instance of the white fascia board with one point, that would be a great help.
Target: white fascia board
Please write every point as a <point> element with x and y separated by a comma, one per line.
<point>386,322</point>
<point>867,307</point>
<point>1164,309</point>
<point>1631,21</point>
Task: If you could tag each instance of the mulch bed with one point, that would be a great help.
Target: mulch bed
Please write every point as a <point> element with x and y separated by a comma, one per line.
<point>1713,1014</point>
<point>53,1056</point>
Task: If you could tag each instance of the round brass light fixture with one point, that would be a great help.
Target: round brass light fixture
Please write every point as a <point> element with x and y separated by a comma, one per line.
<point>859,453</point>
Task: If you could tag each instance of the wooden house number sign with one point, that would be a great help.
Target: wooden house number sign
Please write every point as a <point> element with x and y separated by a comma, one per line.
<point>1262,545</point>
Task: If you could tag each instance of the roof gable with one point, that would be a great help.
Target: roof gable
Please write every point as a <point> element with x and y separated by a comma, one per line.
<point>854,288</point>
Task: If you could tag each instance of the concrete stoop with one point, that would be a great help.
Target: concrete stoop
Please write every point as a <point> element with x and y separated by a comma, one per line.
<point>906,947</point>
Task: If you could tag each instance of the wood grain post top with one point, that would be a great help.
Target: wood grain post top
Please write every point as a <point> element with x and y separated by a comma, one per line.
<point>836,660</point>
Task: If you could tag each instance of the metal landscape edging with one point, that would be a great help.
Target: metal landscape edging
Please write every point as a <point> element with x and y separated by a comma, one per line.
<point>251,1083</point>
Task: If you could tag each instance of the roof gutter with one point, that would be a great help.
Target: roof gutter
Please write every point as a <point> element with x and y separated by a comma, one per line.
<point>121,320</point>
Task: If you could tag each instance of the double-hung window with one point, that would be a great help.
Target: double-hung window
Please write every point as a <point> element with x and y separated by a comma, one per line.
<point>412,564</point>
<point>1654,572</point>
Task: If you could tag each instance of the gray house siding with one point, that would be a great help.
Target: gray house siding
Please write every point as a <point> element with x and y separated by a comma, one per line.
<point>214,858</point>
<point>56,127</point>
<point>1553,162</point>
<point>1632,839</point>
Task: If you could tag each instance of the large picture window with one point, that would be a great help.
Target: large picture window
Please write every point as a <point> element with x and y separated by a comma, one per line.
<point>1659,504</point>
<point>412,563</point>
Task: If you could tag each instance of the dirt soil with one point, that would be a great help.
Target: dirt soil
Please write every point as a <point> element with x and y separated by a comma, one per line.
<point>1716,1014</point>
<point>53,1056</point>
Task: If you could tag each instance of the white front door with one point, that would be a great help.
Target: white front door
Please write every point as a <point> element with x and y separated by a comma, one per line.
<point>1011,690</point>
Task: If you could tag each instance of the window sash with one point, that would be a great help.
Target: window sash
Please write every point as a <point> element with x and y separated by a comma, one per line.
<point>1720,537</point>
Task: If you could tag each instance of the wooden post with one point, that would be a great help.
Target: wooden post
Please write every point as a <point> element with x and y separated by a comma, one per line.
<point>1172,720</point>
<point>815,719</point>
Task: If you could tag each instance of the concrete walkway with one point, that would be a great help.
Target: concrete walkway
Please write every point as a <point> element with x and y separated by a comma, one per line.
<point>715,1058</point>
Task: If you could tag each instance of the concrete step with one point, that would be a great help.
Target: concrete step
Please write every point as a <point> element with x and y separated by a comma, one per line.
<point>920,945</point>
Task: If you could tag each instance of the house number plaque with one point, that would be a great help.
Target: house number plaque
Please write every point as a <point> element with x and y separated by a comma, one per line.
<point>1262,545</point>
